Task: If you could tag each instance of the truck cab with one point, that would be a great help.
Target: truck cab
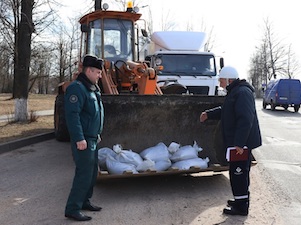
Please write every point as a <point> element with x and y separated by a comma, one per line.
<point>196,72</point>
<point>181,65</point>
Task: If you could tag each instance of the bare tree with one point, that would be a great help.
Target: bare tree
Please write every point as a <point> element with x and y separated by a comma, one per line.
<point>6,76</point>
<point>19,19</point>
<point>65,50</point>
<point>9,20</point>
<point>22,60</point>
<point>167,21</point>
<point>41,59</point>
<point>257,72</point>
<point>292,64</point>
<point>73,37</point>
<point>276,50</point>
<point>272,58</point>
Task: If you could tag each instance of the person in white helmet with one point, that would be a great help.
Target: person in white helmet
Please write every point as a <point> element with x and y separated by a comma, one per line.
<point>240,127</point>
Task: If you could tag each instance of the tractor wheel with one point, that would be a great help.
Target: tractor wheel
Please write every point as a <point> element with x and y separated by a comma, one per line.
<point>60,127</point>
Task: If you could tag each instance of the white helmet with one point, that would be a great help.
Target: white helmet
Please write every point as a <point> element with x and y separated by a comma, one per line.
<point>228,72</point>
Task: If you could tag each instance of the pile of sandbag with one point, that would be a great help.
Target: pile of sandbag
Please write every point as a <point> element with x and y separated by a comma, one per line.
<point>158,158</point>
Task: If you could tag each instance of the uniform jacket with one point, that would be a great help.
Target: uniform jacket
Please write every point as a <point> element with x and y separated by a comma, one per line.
<point>238,116</point>
<point>83,109</point>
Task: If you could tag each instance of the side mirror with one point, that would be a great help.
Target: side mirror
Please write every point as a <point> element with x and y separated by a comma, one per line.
<point>144,33</point>
<point>84,28</point>
<point>221,62</point>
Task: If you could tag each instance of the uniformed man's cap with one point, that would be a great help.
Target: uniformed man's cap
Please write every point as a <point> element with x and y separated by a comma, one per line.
<point>92,61</point>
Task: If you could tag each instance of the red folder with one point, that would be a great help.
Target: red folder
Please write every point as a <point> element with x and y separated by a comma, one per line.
<point>232,155</point>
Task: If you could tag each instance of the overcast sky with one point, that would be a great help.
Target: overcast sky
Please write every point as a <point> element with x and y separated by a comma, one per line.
<point>237,24</point>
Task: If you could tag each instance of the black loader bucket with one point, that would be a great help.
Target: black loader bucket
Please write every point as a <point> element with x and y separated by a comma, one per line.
<point>141,121</point>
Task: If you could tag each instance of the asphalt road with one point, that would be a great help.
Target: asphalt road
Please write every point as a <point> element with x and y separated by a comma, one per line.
<point>280,158</point>
<point>35,181</point>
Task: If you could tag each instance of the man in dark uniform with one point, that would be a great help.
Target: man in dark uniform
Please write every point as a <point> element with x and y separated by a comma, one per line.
<point>84,117</point>
<point>240,128</point>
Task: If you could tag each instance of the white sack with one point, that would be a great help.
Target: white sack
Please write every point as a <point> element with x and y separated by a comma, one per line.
<point>146,165</point>
<point>128,156</point>
<point>162,165</point>
<point>115,167</point>
<point>102,155</point>
<point>173,147</point>
<point>186,152</point>
<point>156,153</point>
<point>186,164</point>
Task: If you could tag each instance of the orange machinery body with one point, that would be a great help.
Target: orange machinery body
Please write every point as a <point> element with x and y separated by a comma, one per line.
<point>130,77</point>
<point>133,77</point>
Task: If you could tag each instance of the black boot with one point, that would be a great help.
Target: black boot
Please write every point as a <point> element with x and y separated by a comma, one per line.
<point>231,202</point>
<point>235,211</point>
<point>237,207</point>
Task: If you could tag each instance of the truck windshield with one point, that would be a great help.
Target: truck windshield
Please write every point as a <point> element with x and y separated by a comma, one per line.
<point>117,39</point>
<point>187,65</point>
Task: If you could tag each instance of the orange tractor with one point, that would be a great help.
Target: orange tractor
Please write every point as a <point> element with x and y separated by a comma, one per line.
<point>137,114</point>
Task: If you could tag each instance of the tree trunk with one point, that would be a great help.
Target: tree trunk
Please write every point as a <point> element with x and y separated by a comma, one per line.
<point>23,60</point>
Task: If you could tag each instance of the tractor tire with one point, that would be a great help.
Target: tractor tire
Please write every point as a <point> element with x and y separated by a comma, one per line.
<point>60,127</point>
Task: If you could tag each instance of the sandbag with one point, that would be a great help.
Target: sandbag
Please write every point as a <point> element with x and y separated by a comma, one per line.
<point>146,165</point>
<point>186,164</point>
<point>115,167</point>
<point>173,147</point>
<point>156,153</point>
<point>102,156</point>
<point>186,152</point>
<point>162,165</point>
<point>128,156</point>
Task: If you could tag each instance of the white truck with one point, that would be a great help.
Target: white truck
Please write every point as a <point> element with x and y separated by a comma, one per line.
<point>182,64</point>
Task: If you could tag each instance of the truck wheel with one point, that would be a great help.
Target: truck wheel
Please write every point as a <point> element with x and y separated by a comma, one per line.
<point>60,127</point>
<point>264,105</point>
<point>174,89</point>
<point>273,106</point>
<point>296,108</point>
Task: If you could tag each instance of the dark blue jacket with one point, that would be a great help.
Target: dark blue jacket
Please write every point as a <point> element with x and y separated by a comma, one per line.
<point>238,116</point>
<point>83,109</point>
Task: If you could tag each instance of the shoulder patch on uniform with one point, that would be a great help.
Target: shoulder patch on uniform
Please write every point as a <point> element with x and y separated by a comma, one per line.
<point>73,99</point>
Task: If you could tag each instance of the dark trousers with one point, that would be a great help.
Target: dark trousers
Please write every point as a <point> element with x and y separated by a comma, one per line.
<point>240,179</point>
<point>86,162</point>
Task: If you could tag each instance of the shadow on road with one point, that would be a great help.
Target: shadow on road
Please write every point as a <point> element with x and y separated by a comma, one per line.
<point>280,112</point>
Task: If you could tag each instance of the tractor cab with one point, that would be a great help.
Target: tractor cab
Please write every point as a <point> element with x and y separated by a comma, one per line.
<point>110,35</point>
